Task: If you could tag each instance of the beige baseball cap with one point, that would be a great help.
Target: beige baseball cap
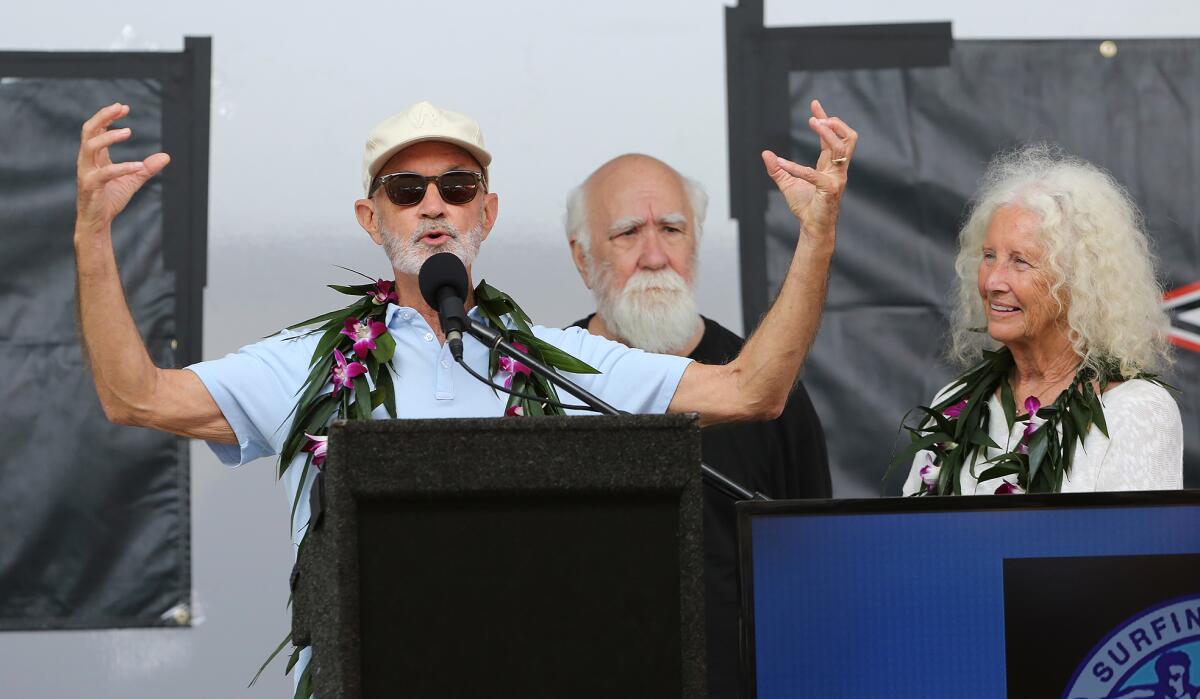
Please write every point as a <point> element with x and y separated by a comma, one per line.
<point>421,122</point>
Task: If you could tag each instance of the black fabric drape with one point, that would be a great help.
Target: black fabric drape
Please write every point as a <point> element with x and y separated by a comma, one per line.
<point>926,135</point>
<point>94,515</point>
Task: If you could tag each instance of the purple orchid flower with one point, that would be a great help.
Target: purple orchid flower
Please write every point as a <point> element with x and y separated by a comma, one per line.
<point>384,292</point>
<point>955,410</point>
<point>512,367</point>
<point>363,334</point>
<point>514,411</point>
<point>317,445</point>
<point>343,372</point>
<point>930,473</point>
<point>1032,404</point>
<point>1006,488</point>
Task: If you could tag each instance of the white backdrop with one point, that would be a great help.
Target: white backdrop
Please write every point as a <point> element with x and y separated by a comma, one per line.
<point>557,87</point>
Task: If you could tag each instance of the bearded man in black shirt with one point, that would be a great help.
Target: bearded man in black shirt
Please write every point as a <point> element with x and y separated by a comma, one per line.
<point>634,227</point>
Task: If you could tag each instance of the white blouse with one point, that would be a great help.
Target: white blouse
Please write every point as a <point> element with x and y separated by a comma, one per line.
<point>1143,452</point>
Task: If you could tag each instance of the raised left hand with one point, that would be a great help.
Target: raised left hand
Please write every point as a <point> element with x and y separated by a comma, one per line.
<point>814,194</point>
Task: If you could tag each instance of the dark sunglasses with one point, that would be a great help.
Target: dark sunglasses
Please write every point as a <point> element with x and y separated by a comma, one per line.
<point>408,188</point>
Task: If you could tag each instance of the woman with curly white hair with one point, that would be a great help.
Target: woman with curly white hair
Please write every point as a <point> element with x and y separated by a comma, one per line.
<point>1058,320</point>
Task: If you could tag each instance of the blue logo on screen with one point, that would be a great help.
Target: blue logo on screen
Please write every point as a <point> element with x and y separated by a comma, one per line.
<point>1150,656</point>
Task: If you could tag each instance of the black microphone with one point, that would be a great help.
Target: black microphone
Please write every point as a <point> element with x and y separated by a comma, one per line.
<point>443,282</point>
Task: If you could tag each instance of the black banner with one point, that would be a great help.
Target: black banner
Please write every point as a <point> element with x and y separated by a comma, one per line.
<point>931,113</point>
<point>96,514</point>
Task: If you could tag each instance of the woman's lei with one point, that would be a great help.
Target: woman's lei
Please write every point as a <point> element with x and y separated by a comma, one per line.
<point>354,357</point>
<point>955,429</point>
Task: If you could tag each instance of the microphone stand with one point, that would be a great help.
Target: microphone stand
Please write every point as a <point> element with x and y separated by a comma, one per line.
<point>491,337</point>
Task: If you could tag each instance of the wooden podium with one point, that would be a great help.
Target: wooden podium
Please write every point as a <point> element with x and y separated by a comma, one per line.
<point>514,557</point>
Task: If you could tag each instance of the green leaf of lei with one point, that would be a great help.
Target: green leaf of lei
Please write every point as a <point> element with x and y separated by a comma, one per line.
<point>287,639</point>
<point>1039,444</point>
<point>1098,415</point>
<point>999,472</point>
<point>1050,455</point>
<point>385,348</point>
<point>1008,404</point>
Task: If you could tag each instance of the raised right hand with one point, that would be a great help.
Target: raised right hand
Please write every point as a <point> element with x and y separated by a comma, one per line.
<point>105,187</point>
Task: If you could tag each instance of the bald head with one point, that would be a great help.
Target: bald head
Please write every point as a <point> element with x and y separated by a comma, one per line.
<point>591,206</point>
<point>634,171</point>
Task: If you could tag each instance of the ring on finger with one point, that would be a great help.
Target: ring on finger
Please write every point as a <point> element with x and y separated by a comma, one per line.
<point>839,161</point>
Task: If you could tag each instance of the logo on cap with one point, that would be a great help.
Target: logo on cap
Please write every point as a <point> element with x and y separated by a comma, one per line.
<point>424,114</point>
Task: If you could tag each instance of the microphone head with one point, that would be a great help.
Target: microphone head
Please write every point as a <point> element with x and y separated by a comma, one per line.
<point>442,270</point>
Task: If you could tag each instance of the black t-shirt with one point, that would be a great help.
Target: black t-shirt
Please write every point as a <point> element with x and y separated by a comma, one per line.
<point>782,458</point>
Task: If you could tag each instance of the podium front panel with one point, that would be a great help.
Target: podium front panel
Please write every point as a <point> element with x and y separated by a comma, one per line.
<point>500,581</point>
<point>507,557</point>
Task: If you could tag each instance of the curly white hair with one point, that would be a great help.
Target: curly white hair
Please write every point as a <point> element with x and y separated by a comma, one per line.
<point>1101,269</point>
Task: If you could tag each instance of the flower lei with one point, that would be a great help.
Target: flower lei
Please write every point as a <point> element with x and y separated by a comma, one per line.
<point>955,429</point>
<point>354,354</point>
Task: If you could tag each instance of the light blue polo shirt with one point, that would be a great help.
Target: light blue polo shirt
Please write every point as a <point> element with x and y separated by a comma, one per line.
<point>257,386</point>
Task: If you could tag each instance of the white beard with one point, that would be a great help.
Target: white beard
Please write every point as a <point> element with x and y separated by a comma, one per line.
<point>408,256</point>
<point>656,311</point>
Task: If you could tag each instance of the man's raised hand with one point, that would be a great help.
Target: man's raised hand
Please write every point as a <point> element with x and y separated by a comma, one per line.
<point>105,187</point>
<point>814,194</point>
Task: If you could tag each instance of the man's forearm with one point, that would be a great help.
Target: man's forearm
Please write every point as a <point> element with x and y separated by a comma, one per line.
<point>131,389</point>
<point>767,368</point>
<point>121,367</point>
<point>756,385</point>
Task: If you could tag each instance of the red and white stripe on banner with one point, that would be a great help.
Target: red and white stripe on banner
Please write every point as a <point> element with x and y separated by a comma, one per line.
<point>1183,304</point>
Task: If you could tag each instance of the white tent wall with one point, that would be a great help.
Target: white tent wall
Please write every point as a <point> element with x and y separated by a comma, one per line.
<point>558,88</point>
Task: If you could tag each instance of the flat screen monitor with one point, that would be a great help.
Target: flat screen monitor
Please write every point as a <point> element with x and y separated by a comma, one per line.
<point>1000,597</point>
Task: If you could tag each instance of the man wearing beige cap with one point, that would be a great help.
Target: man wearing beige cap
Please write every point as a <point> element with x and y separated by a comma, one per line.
<point>426,191</point>
<point>425,132</point>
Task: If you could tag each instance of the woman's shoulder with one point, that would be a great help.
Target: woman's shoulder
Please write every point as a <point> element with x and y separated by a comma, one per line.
<point>1140,401</point>
<point>1137,391</point>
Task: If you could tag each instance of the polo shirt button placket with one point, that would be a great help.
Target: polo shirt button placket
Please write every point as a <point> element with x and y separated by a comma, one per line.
<point>445,380</point>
